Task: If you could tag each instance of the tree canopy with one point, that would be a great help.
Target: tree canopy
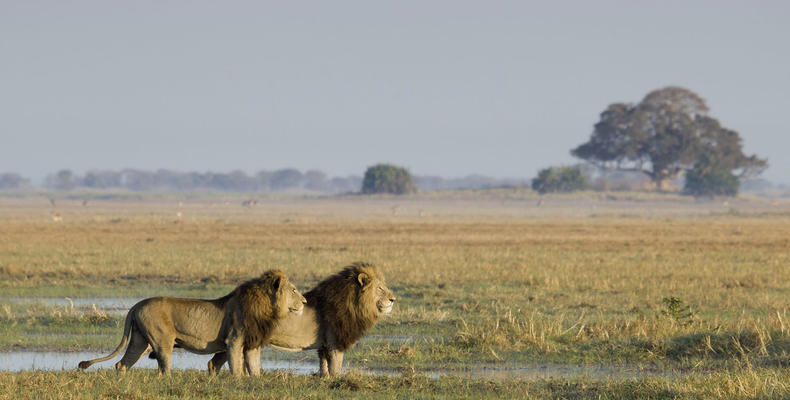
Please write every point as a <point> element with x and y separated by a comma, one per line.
<point>663,136</point>
<point>709,177</point>
<point>559,179</point>
<point>386,178</point>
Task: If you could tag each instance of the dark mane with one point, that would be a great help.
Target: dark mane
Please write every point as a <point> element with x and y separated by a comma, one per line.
<point>343,305</point>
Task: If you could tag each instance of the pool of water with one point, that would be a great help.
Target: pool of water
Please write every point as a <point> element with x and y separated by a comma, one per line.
<point>57,361</point>
<point>112,305</point>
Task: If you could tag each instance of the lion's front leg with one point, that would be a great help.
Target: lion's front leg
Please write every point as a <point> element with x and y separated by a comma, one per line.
<point>252,361</point>
<point>331,358</point>
<point>322,356</point>
<point>335,360</point>
<point>331,362</point>
<point>235,344</point>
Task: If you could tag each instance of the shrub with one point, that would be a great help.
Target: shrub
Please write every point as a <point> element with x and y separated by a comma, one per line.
<point>675,308</point>
<point>559,179</point>
<point>386,178</point>
<point>709,178</point>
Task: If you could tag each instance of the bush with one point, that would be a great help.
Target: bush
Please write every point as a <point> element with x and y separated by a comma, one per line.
<point>709,178</point>
<point>559,179</point>
<point>386,178</point>
<point>11,180</point>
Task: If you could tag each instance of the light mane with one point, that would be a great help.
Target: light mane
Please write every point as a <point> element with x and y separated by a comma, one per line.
<point>256,298</point>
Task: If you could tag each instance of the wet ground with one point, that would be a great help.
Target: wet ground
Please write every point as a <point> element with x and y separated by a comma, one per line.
<point>111,305</point>
<point>57,361</point>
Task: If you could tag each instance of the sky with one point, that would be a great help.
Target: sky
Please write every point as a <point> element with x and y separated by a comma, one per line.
<point>446,88</point>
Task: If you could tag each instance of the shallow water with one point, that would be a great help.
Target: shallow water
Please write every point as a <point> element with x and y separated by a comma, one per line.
<point>53,360</point>
<point>57,361</point>
<point>112,305</point>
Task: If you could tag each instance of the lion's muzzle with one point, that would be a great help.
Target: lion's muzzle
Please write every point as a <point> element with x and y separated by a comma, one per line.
<point>385,307</point>
<point>298,310</point>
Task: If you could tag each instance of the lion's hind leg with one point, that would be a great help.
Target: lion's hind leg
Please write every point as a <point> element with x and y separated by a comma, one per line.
<point>216,362</point>
<point>137,347</point>
<point>164,352</point>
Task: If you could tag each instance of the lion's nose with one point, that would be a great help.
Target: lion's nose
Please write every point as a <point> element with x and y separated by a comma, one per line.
<point>304,301</point>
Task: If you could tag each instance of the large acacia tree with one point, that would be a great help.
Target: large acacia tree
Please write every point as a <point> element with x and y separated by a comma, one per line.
<point>663,136</point>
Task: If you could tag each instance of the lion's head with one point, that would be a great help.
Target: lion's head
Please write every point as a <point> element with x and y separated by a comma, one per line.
<point>373,290</point>
<point>263,301</point>
<point>352,301</point>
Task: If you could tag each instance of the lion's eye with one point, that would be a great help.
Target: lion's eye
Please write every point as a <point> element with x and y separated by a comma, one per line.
<point>294,290</point>
<point>381,289</point>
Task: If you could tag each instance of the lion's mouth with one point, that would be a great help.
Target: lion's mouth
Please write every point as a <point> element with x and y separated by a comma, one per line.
<point>296,310</point>
<point>386,309</point>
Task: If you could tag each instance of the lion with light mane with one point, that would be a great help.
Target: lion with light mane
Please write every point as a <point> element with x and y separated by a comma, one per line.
<point>339,310</point>
<point>239,323</point>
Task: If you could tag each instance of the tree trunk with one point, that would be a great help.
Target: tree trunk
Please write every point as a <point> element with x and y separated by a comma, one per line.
<point>660,183</point>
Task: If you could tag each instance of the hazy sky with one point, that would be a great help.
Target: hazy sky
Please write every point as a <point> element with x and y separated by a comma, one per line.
<point>445,88</point>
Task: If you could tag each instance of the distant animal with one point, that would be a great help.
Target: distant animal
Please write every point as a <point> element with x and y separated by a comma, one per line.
<point>249,203</point>
<point>339,310</point>
<point>57,217</point>
<point>239,323</point>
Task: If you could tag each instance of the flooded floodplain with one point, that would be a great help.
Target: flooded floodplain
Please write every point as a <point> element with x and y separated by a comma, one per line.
<point>110,305</point>
<point>60,361</point>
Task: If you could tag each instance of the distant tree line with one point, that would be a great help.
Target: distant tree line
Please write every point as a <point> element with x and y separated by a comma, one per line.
<point>235,181</point>
<point>10,180</point>
<point>665,139</point>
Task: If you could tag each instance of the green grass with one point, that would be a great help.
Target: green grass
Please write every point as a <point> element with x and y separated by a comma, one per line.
<point>146,384</point>
<point>474,287</point>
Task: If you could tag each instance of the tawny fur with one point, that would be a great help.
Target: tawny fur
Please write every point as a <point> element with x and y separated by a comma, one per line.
<point>244,319</point>
<point>339,310</point>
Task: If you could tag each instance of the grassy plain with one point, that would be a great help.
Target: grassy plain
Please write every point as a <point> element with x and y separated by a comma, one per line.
<point>138,384</point>
<point>484,279</point>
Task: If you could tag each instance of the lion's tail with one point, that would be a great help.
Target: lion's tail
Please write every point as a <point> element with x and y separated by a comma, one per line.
<point>127,330</point>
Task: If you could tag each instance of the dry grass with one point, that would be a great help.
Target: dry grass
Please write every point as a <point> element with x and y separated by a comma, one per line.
<point>136,384</point>
<point>487,279</point>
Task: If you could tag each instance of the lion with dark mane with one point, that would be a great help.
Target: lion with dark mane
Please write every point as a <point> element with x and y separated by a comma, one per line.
<point>339,310</point>
<point>238,323</point>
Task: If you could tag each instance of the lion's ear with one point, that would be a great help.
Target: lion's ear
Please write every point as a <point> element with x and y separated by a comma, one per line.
<point>277,283</point>
<point>363,279</point>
